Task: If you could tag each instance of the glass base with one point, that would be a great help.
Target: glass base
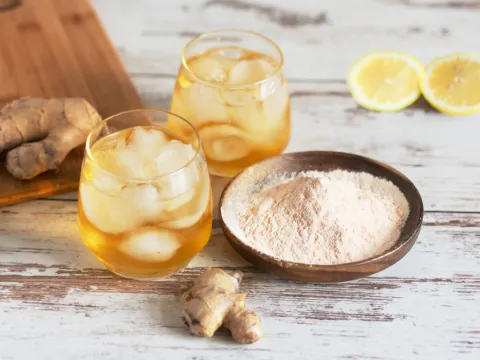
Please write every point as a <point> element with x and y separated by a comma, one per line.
<point>145,277</point>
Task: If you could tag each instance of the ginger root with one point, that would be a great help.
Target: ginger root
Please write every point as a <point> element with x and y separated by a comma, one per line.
<point>42,132</point>
<point>213,301</point>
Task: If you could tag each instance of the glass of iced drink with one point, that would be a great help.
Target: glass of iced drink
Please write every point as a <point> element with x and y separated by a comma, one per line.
<point>145,202</point>
<point>231,87</point>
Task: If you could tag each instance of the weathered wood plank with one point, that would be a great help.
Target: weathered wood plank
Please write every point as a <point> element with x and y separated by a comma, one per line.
<point>319,39</point>
<point>426,305</point>
<point>52,241</point>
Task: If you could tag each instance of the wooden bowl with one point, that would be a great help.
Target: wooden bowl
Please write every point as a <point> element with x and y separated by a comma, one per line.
<point>322,161</point>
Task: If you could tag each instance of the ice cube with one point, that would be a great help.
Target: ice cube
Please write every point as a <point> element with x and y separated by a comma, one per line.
<point>151,245</point>
<point>228,56</point>
<point>177,202</point>
<point>173,160</point>
<point>228,53</point>
<point>199,206</point>
<point>275,105</point>
<point>146,141</point>
<point>269,87</point>
<point>261,119</point>
<point>101,175</point>
<point>224,143</point>
<point>105,182</point>
<point>205,104</point>
<point>173,156</point>
<point>130,163</point>
<point>248,72</point>
<point>132,206</point>
<point>145,200</point>
<point>102,157</point>
<point>208,68</point>
<point>183,181</point>
<point>268,67</point>
<point>111,214</point>
<point>238,98</point>
<point>250,118</point>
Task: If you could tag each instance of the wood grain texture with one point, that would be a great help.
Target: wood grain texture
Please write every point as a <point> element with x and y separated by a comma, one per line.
<point>320,39</point>
<point>425,306</point>
<point>57,48</point>
<point>58,302</point>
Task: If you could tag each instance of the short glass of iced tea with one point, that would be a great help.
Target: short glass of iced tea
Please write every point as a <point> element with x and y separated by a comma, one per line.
<point>145,202</point>
<point>231,87</point>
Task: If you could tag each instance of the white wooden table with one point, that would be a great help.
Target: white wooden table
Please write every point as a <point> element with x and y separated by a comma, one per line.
<point>58,302</point>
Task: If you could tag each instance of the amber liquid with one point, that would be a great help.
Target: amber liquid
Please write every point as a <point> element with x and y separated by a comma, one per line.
<point>108,246</point>
<point>104,247</point>
<point>240,123</point>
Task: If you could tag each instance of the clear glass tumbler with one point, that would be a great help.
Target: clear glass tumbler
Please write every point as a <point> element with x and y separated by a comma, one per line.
<point>231,87</point>
<point>145,201</point>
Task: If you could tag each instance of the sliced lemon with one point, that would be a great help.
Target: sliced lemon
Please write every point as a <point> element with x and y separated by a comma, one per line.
<point>385,80</point>
<point>452,84</point>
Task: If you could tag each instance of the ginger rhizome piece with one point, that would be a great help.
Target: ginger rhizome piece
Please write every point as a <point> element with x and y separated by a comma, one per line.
<point>213,301</point>
<point>41,132</point>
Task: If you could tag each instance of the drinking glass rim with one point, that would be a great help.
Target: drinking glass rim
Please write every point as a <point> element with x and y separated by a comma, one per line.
<point>130,179</point>
<point>231,87</point>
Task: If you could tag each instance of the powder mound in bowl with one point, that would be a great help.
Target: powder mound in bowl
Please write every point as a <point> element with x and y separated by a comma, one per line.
<point>323,218</point>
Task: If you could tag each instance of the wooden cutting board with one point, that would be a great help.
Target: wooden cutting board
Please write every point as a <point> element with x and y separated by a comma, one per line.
<point>58,48</point>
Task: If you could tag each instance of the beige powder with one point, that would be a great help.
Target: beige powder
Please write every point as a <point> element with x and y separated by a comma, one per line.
<point>324,218</point>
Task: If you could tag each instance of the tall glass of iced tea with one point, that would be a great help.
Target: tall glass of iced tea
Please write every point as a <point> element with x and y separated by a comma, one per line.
<point>145,203</point>
<point>231,87</point>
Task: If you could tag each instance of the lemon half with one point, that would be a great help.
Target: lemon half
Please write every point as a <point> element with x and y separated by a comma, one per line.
<point>452,84</point>
<point>385,80</point>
